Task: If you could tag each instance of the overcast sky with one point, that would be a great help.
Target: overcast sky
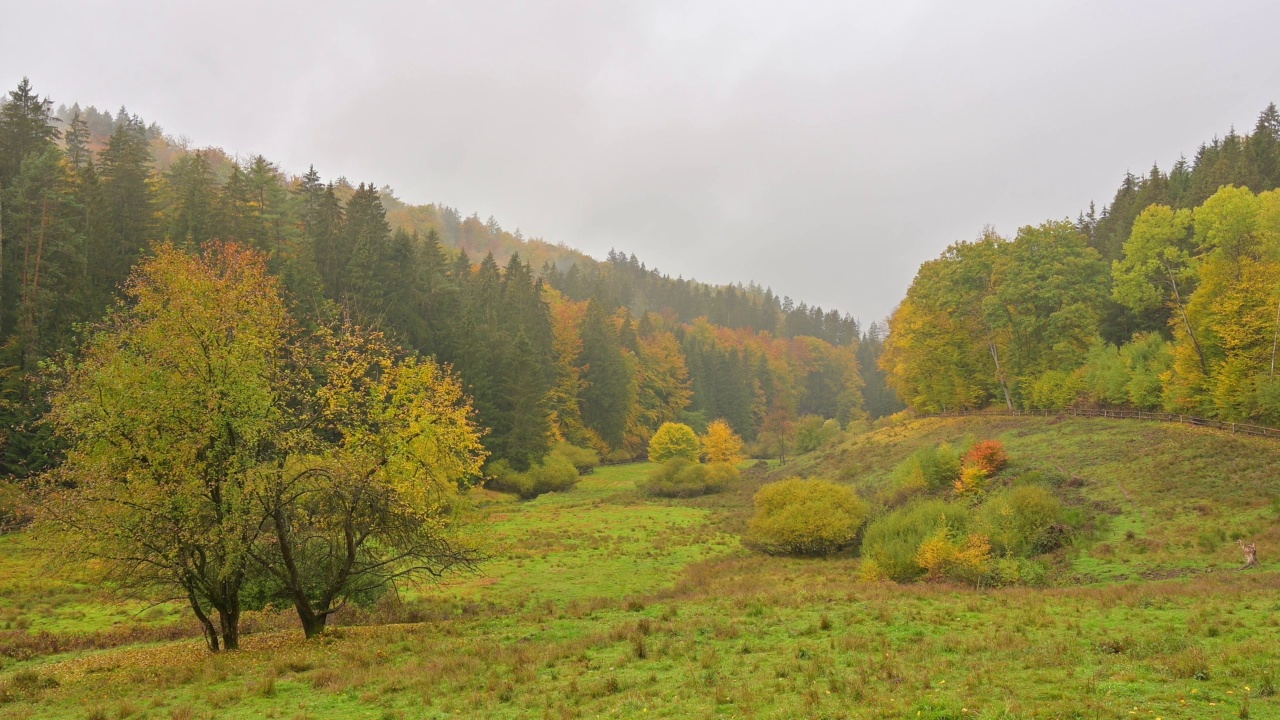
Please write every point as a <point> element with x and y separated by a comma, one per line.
<point>824,149</point>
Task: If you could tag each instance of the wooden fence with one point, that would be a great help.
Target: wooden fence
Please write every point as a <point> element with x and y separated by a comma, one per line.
<point>1240,428</point>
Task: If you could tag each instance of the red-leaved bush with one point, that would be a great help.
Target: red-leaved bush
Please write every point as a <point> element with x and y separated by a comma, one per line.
<point>988,456</point>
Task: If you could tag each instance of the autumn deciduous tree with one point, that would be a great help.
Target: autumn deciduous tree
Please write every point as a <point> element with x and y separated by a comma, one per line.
<point>376,498</point>
<point>166,416</point>
<point>721,444</point>
<point>213,444</point>
<point>674,440</point>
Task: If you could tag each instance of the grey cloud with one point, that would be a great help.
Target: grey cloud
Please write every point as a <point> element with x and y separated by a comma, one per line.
<point>825,149</point>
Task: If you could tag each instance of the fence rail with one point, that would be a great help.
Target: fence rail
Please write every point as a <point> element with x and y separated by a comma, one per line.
<point>1238,428</point>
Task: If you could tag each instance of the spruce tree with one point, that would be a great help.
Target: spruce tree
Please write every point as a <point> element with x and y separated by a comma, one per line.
<point>192,193</point>
<point>368,235</point>
<point>522,429</point>
<point>124,226</point>
<point>609,391</point>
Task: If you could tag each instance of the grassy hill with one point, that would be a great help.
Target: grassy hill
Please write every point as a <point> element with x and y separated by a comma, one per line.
<point>601,602</point>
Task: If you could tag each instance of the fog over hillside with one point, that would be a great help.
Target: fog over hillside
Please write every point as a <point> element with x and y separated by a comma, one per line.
<point>726,141</point>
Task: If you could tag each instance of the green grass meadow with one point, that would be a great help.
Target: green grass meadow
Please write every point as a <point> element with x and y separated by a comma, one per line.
<point>604,603</point>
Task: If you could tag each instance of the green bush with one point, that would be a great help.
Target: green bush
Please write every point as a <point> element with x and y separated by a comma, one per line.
<point>813,432</point>
<point>554,473</point>
<point>584,459</point>
<point>893,541</point>
<point>674,440</point>
<point>679,477</point>
<point>805,517</point>
<point>929,469</point>
<point>1023,521</point>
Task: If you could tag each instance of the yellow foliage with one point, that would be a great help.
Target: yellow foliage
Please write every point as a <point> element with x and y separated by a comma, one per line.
<point>674,440</point>
<point>805,517</point>
<point>942,557</point>
<point>870,571</point>
<point>721,444</point>
<point>972,479</point>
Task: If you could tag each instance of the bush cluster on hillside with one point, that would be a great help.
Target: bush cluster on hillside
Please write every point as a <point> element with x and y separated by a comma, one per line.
<point>991,543</point>
<point>805,517</point>
<point>953,513</point>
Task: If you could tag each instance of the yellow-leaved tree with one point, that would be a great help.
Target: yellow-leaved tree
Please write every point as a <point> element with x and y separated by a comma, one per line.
<point>721,444</point>
<point>211,444</point>
<point>674,440</point>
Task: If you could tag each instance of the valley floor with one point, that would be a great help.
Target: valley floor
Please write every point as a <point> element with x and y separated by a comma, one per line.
<point>603,603</point>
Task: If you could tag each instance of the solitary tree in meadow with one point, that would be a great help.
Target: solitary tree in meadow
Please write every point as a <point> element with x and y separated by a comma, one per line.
<point>212,444</point>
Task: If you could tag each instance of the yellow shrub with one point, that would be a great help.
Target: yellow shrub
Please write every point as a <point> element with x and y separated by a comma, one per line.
<point>805,517</point>
<point>870,571</point>
<point>972,479</point>
<point>942,557</point>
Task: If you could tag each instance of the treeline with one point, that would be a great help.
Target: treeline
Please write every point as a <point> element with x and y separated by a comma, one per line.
<point>1170,299</point>
<point>630,283</point>
<point>598,355</point>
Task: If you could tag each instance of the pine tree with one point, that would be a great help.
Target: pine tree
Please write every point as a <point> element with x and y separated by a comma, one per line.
<point>1264,148</point>
<point>324,225</point>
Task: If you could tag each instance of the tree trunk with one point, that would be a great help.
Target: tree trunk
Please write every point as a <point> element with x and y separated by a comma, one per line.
<point>1275,341</point>
<point>210,632</point>
<point>230,620</point>
<point>312,622</point>
<point>1004,386</point>
<point>1186,321</point>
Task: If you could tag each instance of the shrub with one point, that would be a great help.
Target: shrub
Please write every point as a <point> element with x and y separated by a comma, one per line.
<point>944,555</point>
<point>584,460</point>
<point>987,455</point>
<point>1023,521</point>
<point>813,432</point>
<point>721,444</point>
<point>893,541</point>
<point>674,440</point>
<point>972,480</point>
<point>679,477</point>
<point>554,473</point>
<point>805,517</point>
<point>500,476</point>
<point>720,475</point>
<point>930,469</point>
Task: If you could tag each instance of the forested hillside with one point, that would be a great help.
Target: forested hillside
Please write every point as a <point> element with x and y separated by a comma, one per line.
<point>1169,299</point>
<point>551,344</point>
